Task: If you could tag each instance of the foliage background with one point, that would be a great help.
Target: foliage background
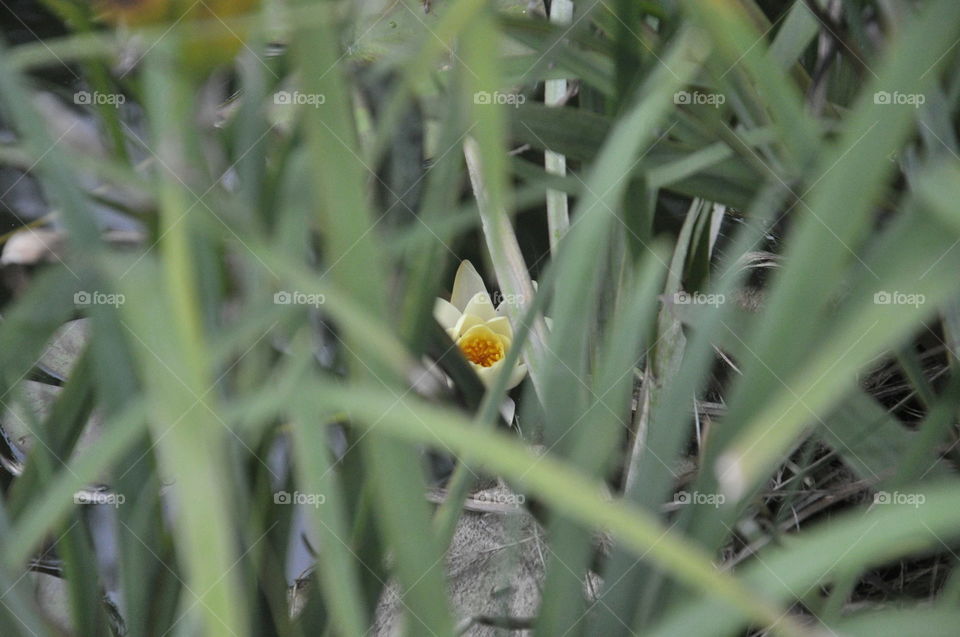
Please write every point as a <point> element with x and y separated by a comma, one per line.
<point>742,218</point>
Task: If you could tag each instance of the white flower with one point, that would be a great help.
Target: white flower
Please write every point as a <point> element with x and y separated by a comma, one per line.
<point>482,332</point>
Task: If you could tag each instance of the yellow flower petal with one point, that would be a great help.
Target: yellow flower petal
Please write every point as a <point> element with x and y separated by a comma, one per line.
<point>445,313</point>
<point>464,323</point>
<point>489,374</point>
<point>516,376</point>
<point>466,285</point>
<point>481,306</point>
<point>501,325</point>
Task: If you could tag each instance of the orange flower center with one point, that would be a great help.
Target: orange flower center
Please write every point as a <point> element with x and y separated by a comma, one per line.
<point>481,347</point>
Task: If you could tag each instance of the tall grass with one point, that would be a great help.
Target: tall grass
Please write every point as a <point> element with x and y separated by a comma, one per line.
<point>724,233</point>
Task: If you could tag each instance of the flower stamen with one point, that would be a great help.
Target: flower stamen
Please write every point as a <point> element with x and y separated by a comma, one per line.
<point>481,346</point>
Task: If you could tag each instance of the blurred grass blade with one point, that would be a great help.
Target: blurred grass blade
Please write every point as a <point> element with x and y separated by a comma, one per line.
<point>355,261</point>
<point>852,541</point>
<point>567,491</point>
<point>848,179</point>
